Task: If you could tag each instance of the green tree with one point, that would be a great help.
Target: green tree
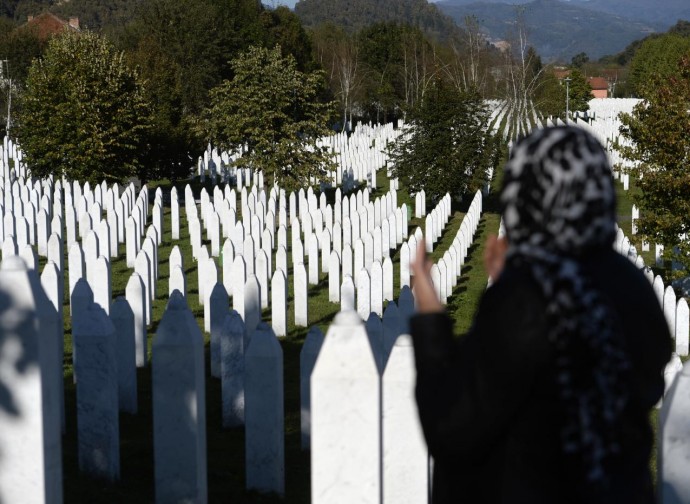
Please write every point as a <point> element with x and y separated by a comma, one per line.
<point>447,147</point>
<point>270,111</point>
<point>549,97</point>
<point>657,56</point>
<point>83,113</point>
<point>579,59</point>
<point>580,92</point>
<point>660,149</point>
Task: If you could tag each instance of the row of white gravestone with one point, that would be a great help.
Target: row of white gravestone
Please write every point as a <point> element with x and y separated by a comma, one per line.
<point>675,310</point>
<point>33,408</point>
<point>436,221</point>
<point>447,270</point>
<point>259,261</point>
<point>674,436</point>
<point>358,157</point>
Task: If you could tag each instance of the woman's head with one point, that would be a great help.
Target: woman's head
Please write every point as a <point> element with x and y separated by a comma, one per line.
<point>558,192</point>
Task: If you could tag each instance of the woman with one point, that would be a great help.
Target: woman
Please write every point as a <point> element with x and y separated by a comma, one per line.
<point>547,398</point>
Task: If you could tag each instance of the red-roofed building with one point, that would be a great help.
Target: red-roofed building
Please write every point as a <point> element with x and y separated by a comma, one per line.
<point>600,87</point>
<point>46,25</point>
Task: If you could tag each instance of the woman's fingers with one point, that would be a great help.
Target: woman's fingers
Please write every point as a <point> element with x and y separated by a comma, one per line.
<point>494,256</point>
<point>425,293</point>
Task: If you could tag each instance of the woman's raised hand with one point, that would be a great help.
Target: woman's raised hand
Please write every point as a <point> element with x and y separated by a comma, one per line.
<point>424,291</point>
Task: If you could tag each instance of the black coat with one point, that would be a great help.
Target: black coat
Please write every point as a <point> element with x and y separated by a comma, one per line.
<point>488,401</point>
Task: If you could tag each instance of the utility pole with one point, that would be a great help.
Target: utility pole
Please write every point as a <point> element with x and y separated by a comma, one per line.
<point>567,98</point>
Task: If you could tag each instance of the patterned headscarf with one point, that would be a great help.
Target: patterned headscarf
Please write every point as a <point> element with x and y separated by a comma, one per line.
<point>559,205</point>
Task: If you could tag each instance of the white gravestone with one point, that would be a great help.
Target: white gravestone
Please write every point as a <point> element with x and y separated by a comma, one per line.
<point>177,281</point>
<point>301,296</point>
<point>405,456</point>
<point>218,307</point>
<point>264,416</point>
<point>135,293</point>
<point>307,360</point>
<point>387,279</point>
<point>31,462</point>
<point>228,259</point>
<point>674,441</point>
<point>232,369</point>
<point>142,267</point>
<point>392,328</point>
<point>376,298</point>
<point>279,303</point>
<point>364,295</point>
<point>179,419</point>
<point>122,317</point>
<point>334,278</point>
<point>238,278</point>
<point>98,426</point>
<point>374,329</point>
<point>670,309</point>
<point>345,417</point>
<point>682,327</point>
<point>406,307</point>
<point>252,306</point>
<point>50,281</point>
<point>202,263</point>
<point>313,260</point>
<point>347,294</point>
<point>102,294</point>
<point>210,280</point>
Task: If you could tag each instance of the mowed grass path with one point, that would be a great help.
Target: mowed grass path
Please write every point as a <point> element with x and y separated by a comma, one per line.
<point>225,447</point>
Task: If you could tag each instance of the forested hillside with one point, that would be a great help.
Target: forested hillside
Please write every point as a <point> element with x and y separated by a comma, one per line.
<point>558,30</point>
<point>661,12</point>
<point>356,14</point>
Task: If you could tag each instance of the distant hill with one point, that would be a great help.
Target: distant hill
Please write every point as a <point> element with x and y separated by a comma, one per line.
<point>662,12</point>
<point>624,57</point>
<point>558,30</point>
<point>356,14</point>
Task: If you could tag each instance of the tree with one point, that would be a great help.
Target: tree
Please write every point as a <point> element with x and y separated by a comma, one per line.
<point>656,56</point>
<point>579,59</point>
<point>468,64</point>
<point>660,150</point>
<point>447,147</point>
<point>549,97</point>
<point>580,92</point>
<point>83,114</point>
<point>269,111</point>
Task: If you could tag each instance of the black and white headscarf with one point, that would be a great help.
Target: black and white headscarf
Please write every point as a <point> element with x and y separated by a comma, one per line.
<point>559,205</point>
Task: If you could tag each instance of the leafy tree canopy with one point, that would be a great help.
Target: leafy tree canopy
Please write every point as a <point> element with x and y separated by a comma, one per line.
<point>270,110</point>
<point>550,97</point>
<point>580,92</point>
<point>83,114</point>
<point>656,57</point>
<point>579,59</point>
<point>658,129</point>
<point>447,147</point>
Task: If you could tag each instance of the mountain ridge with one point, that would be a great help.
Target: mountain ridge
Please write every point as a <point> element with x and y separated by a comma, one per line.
<point>558,30</point>
<point>356,14</point>
<point>664,12</point>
